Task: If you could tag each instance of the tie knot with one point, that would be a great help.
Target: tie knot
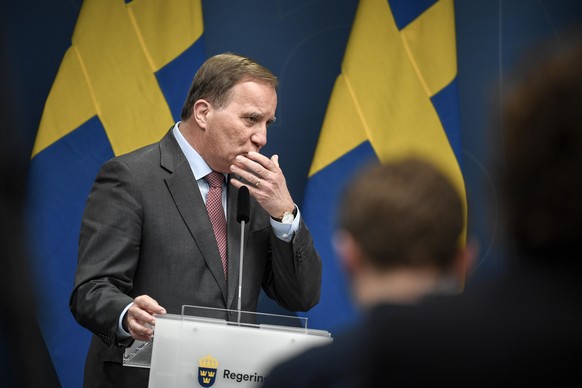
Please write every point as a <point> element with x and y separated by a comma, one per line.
<point>215,179</point>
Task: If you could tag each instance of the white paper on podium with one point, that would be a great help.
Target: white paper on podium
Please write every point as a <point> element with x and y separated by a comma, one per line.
<point>200,352</point>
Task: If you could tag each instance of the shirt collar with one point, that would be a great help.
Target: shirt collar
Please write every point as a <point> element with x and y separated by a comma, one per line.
<point>199,167</point>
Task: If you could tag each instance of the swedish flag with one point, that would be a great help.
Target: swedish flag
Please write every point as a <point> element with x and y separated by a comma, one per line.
<point>120,86</point>
<point>396,96</point>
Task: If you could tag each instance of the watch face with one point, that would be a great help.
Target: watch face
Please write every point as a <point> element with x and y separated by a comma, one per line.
<point>288,218</point>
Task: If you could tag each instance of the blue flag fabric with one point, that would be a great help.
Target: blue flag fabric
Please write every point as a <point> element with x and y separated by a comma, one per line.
<point>396,96</point>
<point>120,86</point>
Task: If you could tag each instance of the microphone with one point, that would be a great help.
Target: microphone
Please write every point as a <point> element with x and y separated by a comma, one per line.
<point>243,205</point>
<point>242,216</point>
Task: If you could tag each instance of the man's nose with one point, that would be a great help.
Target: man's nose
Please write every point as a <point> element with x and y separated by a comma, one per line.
<point>259,138</point>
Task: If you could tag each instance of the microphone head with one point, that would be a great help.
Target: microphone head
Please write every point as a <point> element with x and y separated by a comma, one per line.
<point>243,205</point>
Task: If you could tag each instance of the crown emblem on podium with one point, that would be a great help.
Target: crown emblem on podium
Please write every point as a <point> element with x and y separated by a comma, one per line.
<point>208,362</point>
<point>207,371</point>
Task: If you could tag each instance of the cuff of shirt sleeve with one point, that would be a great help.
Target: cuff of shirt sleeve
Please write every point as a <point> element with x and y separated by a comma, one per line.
<point>286,232</point>
<point>121,333</point>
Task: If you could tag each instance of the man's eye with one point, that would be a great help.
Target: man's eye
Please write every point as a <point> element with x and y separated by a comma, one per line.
<point>252,119</point>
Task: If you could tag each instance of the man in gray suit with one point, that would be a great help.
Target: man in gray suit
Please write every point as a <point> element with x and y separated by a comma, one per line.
<point>147,244</point>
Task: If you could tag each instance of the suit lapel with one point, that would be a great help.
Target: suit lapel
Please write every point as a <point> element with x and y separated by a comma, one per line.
<point>184,190</point>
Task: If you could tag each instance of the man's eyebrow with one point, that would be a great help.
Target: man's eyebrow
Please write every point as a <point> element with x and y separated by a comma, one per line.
<point>255,115</point>
<point>258,115</point>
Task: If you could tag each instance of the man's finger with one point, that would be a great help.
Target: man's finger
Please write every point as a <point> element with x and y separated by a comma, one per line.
<point>139,331</point>
<point>149,304</point>
<point>262,160</point>
<point>137,314</point>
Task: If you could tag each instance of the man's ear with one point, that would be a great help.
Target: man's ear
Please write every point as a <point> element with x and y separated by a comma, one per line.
<point>465,260</point>
<point>200,112</point>
<point>349,252</point>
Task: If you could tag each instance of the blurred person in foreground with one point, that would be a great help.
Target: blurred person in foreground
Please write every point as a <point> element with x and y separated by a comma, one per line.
<point>399,242</point>
<point>24,358</point>
<point>522,328</point>
<point>151,241</point>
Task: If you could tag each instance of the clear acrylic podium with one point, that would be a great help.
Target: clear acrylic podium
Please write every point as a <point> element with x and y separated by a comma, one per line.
<point>209,347</point>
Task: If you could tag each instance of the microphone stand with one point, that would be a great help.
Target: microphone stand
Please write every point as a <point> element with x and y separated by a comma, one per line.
<point>243,213</point>
<point>240,274</point>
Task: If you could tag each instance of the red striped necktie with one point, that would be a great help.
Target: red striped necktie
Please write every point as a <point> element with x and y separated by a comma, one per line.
<point>216,214</point>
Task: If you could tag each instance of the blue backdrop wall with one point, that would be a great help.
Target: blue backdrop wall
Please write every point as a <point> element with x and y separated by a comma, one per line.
<point>303,42</point>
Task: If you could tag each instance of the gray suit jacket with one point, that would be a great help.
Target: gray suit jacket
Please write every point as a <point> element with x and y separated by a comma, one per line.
<point>145,230</point>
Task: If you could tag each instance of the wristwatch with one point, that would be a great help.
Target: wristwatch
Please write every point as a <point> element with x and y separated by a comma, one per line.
<point>287,217</point>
